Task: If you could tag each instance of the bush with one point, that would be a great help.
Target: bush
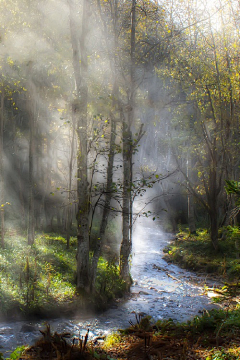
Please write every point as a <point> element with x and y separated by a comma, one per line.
<point>108,282</point>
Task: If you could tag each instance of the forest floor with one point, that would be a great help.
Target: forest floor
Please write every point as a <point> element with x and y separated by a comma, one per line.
<point>39,281</point>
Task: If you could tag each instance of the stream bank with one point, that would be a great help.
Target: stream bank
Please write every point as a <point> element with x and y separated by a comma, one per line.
<point>159,289</point>
<point>195,252</point>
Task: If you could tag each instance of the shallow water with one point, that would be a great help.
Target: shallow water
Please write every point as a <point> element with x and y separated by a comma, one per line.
<point>160,289</point>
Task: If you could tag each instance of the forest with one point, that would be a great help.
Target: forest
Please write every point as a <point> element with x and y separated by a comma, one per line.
<point>112,111</point>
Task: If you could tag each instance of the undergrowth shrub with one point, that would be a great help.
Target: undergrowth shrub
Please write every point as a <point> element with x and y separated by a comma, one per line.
<point>108,282</point>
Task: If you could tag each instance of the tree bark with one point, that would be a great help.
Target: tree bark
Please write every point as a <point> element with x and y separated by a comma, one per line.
<point>190,201</point>
<point>80,111</point>
<point>31,114</point>
<point>191,217</point>
<point>109,190</point>
<point>70,171</point>
<point>2,169</point>
<point>106,209</point>
<point>126,245</point>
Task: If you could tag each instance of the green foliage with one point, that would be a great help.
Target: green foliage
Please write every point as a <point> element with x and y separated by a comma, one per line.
<point>233,187</point>
<point>196,252</point>
<point>112,340</point>
<point>163,326</point>
<point>108,282</point>
<point>223,354</point>
<point>216,322</point>
<point>17,353</point>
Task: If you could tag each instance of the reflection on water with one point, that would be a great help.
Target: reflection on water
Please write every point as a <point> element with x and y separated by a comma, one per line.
<point>159,289</point>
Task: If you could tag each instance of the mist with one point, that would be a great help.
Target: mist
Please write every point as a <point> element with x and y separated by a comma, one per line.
<point>113,112</point>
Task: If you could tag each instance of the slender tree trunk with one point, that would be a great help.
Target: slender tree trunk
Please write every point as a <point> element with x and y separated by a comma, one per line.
<point>80,111</point>
<point>19,169</point>
<point>106,210</point>
<point>191,217</point>
<point>213,202</point>
<point>2,169</point>
<point>215,178</point>
<point>30,190</point>
<point>47,180</point>
<point>214,228</point>
<point>69,206</point>
<point>126,245</point>
<point>115,102</point>
<point>31,114</point>
<point>190,202</point>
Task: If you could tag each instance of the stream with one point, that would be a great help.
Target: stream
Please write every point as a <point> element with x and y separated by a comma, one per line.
<point>160,290</point>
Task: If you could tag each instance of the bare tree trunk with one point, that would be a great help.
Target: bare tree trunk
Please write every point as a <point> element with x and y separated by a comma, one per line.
<point>191,217</point>
<point>30,189</point>
<point>47,181</point>
<point>106,210</point>
<point>126,245</point>
<point>215,181</point>
<point>2,169</point>
<point>80,111</point>
<point>31,114</point>
<point>190,202</point>
<point>69,212</point>
<point>213,200</point>
<point>115,97</point>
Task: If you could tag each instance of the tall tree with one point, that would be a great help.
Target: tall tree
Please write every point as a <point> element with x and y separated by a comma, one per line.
<point>70,174</point>
<point>128,118</point>
<point>110,28</point>
<point>2,166</point>
<point>31,116</point>
<point>80,66</point>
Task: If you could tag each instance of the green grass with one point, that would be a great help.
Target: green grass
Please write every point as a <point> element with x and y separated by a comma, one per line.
<point>217,322</point>
<point>40,279</point>
<point>37,277</point>
<point>197,253</point>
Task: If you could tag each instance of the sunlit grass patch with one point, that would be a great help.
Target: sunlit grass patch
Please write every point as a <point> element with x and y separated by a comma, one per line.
<point>112,340</point>
<point>36,276</point>
<point>42,277</point>
<point>196,252</point>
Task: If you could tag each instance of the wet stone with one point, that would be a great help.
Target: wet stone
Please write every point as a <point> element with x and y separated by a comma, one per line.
<point>27,328</point>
